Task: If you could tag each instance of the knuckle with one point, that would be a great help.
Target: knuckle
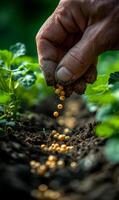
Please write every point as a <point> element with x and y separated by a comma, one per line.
<point>63,7</point>
<point>77,59</point>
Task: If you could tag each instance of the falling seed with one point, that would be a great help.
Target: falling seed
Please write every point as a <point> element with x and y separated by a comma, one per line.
<point>60,87</point>
<point>56,114</point>
<point>60,106</point>
<point>62,93</point>
<point>62,98</point>
<point>57,91</point>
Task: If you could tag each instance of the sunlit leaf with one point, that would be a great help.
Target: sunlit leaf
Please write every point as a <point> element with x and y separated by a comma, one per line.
<point>18,50</point>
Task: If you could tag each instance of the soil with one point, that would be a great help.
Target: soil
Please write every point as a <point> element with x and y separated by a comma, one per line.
<point>94,178</point>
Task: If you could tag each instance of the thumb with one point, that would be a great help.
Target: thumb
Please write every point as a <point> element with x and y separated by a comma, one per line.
<point>78,59</point>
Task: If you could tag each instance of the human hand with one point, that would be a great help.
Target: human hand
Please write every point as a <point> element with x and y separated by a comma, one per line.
<point>73,37</point>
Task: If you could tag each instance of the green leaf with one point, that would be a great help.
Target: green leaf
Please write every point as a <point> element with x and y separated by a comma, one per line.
<point>27,80</point>
<point>18,50</point>
<point>107,112</point>
<point>4,97</point>
<point>5,58</point>
<point>112,150</point>
<point>104,130</point>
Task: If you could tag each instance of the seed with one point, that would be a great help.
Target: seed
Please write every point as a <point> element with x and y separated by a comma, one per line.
<point>52,165</point>
<point>62,93</point>
<point>50,148</point>
<point>43,188</point>
<point>62,98</point>
<point>67,137</point>
<point>60,87</point>
<point>58,149</point>
<point>42,169</point>
<point>56,136</point>
<point>37,165</point>
<point>32,163</point>
<point>56,145</point>
<point>43,146</point>
<point>60,106</point>
<point>73,165</point>
<point>52,158</point>
<point>57,91</point>
<point>60,163</point>
<point>54,132</point>
<point>61,137</point>
<point>45,149</point>
<point>62,150</point>
<point>50,194</point>
<point>48,163</point>
<point>56,114</point>
<point>63,146</point>
<point>66,130</point>
<point>71,148</point>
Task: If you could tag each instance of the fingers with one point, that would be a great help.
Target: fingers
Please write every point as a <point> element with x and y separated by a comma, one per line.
<point>76,62</point>
<point>47,41</point>
<point>51,37</point>
<point>79,86</point>
<point>80,57</point>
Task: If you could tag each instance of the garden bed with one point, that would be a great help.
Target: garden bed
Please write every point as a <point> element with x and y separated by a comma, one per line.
<point>85,175</point>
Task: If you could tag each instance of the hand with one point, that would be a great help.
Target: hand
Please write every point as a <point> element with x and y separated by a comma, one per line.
<point>73,37</point>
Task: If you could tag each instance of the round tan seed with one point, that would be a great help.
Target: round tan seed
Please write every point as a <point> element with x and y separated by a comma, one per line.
<point>62,98</point>
<point>60,106</point>
<point>43,188</point>
<point>61,137</point>
<point>56,114</point>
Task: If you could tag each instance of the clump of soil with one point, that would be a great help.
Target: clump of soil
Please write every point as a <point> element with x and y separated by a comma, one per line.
<point>93,178</point>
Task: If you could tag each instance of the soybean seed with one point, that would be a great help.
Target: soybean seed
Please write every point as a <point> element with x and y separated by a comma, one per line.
<point>60,106</point>
<point>62,98</point>
<point>56,114</point>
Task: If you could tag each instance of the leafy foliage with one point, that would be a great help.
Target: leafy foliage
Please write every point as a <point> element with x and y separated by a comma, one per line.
<point>19,78</point>
<point>104,95</point>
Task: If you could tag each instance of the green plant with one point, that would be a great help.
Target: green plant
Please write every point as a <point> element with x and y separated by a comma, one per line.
<point>20,81</point>
<point>103,97</point>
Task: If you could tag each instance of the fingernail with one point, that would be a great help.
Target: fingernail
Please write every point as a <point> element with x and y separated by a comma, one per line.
<point>63,74</point>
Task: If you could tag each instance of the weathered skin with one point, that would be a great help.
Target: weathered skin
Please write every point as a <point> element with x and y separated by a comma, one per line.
<point>72,39</point>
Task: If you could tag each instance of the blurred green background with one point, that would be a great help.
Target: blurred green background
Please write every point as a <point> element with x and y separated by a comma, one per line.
<point>21,19</point>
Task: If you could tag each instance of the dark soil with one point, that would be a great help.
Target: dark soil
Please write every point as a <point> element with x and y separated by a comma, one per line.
<point>93,179</point>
